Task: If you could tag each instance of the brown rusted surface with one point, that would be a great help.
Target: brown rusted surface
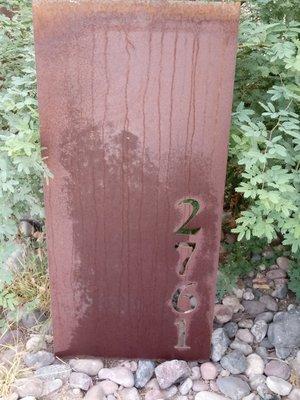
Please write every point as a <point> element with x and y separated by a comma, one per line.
<point>135,101</point>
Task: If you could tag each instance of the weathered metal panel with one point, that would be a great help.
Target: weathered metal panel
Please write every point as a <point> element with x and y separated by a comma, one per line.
<point>135,101</point>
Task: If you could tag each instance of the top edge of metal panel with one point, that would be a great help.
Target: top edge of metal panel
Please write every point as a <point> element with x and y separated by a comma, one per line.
<point>173,8</point>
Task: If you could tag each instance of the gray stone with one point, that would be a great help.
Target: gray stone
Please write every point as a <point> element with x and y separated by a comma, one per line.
<point>278,368</point>
<point>28,398</point>
<point>269,302</point>
<point>276,274</point>
<point>40,359</point>
<point>253,307</point>
<point>284,332</point>
<point>129,394</point>
<point>266,316</point>
<point>266,343</point>
<point>120,375</point>
<point>51,386</point>
<point>283,263</point>
<point>259,330</point>
<point>89,366</point>
<point>234,362</point>
<point>171,372</point>
<point>230,328</point>
<point>282,352</point>
<point>280,291</point>
<point>232,387</point>
<point>144,373</point>
<point>243,347</point>
<point>80,380</point>
<point>55,371</point>
<point>28,387</point>
<point>220,342</point>
<point>262,352</point>
<point>26,229</point>
<point>278,386</point>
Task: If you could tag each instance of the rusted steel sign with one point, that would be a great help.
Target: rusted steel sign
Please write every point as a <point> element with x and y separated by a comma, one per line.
<point>135,101</point>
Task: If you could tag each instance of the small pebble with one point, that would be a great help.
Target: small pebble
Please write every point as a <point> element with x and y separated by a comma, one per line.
<point>208,371</point>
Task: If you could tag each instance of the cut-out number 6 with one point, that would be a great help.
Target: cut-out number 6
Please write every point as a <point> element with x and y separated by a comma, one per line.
<point>184,229</point>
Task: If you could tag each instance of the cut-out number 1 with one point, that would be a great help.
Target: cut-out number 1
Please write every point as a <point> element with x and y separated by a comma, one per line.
<point>181,334</point>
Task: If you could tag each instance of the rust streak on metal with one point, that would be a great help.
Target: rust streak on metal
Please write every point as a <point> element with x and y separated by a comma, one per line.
<point>135,101</point>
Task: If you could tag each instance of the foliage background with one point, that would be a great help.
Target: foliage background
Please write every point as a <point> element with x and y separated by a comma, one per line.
<point>263,184</point>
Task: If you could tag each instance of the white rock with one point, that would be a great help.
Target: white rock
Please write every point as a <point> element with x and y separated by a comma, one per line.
<point>95,393</point>
<point>120,375</point>
<point>36,343</point>
<point>129,394</point>
<point>251,396</point>
<point>108,387</point>
<point>28,398</point>
<point>245,335</point>
<point>80,380</point>
<point>255,365</point>
<point>89,366</point>
<point>208,371</point>
<point>209,396</point>
<point>154,394</point>
<point>278,386</point>
<point>186,386</point>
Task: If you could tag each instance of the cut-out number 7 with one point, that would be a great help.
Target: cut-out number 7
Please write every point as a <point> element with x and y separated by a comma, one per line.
<point>184,229</point>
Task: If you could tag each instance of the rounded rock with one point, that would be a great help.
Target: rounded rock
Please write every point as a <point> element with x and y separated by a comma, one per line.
<point>185,386</point>
<point>80,380</point>
<point>283,263</point>
<point>200,386</point>
<point>36,343</point>
<point>234,388</point>
<point>120,375</point>
<point>222,314</point>
<point>245,335</point>
<point>278,368</point>
<point>234,362</point>
<point>208,371</point>
<point>255,365</point>
<point>259,330</point>
<point>144,372</point>
<point>170,372</point>
<point>278,386</point>
<point>89,366</point>
<point>28,387</point>
<point>220,343</point>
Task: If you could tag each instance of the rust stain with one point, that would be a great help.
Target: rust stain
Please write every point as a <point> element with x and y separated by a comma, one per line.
<point>135,101</point>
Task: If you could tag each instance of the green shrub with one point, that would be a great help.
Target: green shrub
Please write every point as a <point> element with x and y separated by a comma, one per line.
<point>265,138</point>
<point>21,166</point>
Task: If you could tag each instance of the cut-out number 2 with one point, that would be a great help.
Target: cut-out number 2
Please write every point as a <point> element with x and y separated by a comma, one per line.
<point>184,229</point>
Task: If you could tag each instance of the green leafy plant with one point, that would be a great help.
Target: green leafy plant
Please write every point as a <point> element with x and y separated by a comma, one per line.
<point>265,138</point>
<point>238,264</point>
<point>21,165</point>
